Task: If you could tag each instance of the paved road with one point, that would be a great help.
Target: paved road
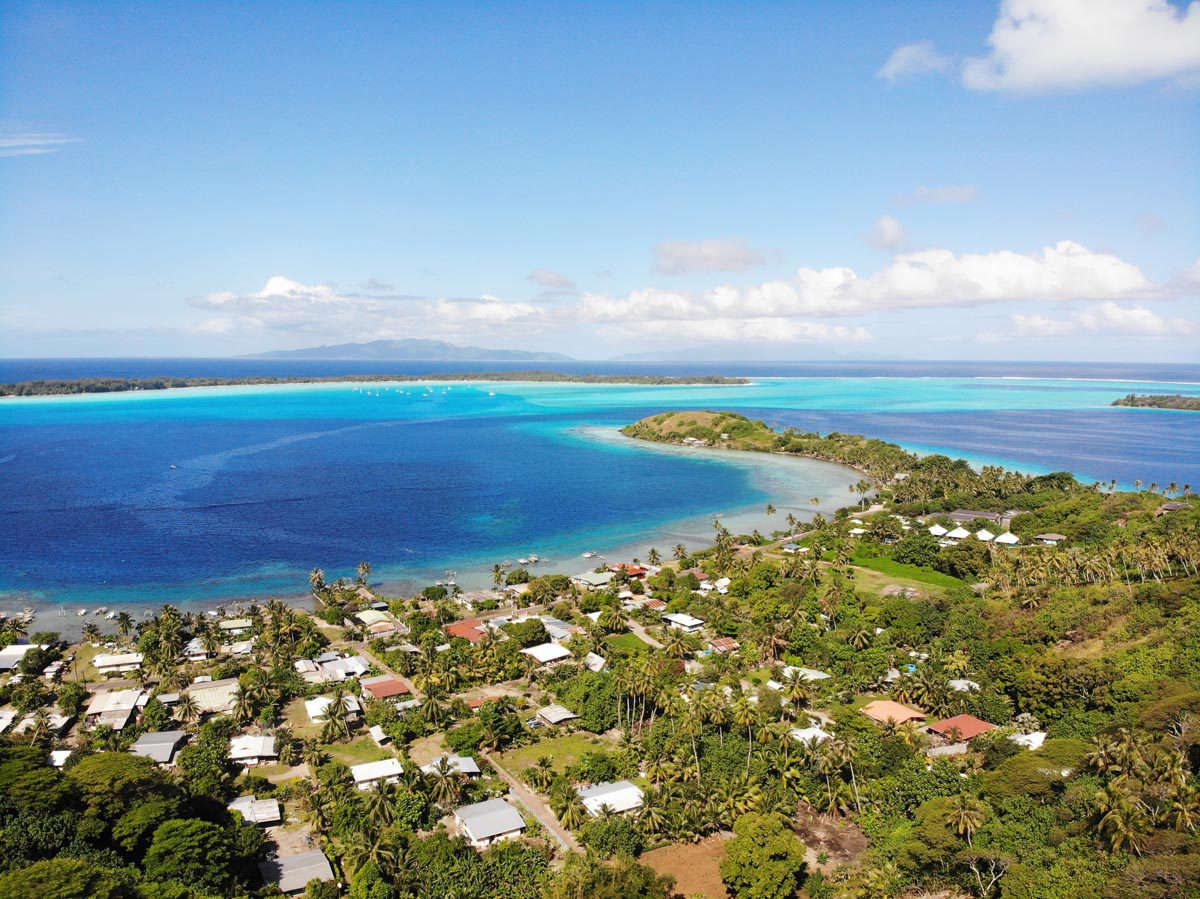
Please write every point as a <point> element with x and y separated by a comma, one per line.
<point>536,806</point>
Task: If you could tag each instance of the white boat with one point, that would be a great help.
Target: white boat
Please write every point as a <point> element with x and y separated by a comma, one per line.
<point>491,393</point>
<point>111,615</point>
<point>522,561</point>
<point>590,554</point>
<point>82,612</point>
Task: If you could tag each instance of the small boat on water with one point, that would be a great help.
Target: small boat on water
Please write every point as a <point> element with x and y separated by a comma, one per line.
<point>590,554</point>
<point>492,393</point>
<point>110,615</point>
<point>82,612</point>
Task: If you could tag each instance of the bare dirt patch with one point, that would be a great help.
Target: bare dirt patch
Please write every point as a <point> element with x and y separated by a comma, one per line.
<point>696,867</point>
<point>842,841</point>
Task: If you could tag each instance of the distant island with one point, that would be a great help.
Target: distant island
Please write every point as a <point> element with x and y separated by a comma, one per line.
<point>120,385</point>
<point>411,350</point>
<point>1160,401</point>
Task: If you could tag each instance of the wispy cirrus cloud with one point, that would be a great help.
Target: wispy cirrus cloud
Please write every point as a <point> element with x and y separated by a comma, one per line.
<point>725,254</point>
<point>32,143</point>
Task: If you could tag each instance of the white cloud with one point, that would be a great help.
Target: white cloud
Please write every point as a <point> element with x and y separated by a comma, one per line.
<point>887,234</point>
<point>926,278</point>
<point>954,193</point>
<point>551,280</point>
<point>1105,319</point>
<point>918,58</point>
<point>31,143</point>
<point>289,306</point>
<point>681,257</point>
<point>765,330</point>
<point>1062,45</point>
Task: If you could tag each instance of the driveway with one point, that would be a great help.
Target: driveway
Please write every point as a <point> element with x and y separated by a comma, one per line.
<point>536,806</point>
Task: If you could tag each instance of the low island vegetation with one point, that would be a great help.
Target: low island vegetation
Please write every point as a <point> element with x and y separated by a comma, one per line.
<point>120,385</point>
<point>963,684</point>
<point>1160,401</point>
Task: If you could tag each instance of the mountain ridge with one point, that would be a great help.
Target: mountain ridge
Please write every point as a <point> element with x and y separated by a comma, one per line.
<point>410,350</point>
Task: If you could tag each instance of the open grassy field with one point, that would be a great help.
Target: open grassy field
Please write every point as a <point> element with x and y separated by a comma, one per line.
<point>630,644</point>
<point>565,750</point>
<point>359,750</point>
<point>907,572</point>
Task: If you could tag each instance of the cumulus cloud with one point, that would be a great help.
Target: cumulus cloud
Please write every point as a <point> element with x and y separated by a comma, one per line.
<point>1041,45</point>
<point>955,193</point>
<point>551,280</point>
<point>918,58</point>
<point>926,278</point>
<point>887,234</point>
<point>1063,45</point>
<point>290,306</point>
<point>31,143</point>
<point>1105,319</point>
<point>680,257</point>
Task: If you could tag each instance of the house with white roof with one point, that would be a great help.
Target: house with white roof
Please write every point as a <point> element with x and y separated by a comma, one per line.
<point>984,535</point>
<point>937,530</point>
<point>620,797</point>
<point>684,622</point>
<point>233,627</point>
<point>808,734</point>
<point>292,873</point>
<point>214,696</point>
<point>485,823</point>
<point>252,749</point>
<point>593,662</point>
<point>1008,538</point>
<point>161,746</point>
<point>194,650</point>
<point>369,775</point>
<point>556,714</point>
<point>114,708</point>
<point>962,685</point>
<point>1029,741</point>
<point>959,533</point>
<point>11,655</point>
<point>257,811</point>
<point>547,653</point>
<point>117,663</point>
<point>459,764</point>
<point>317,706</point>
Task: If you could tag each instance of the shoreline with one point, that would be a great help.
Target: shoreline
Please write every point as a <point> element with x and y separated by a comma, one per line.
<point>776,478</point>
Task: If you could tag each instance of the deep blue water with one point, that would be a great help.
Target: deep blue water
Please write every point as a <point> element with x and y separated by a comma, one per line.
<point>269,482</point>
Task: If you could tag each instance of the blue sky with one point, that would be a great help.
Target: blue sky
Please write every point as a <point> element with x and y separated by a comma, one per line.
<point>769,180</point>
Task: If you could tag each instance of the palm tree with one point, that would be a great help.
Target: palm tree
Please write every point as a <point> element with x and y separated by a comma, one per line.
<point>541,775</point>
<point>569,809</point>
<point>124,624</point>
<point>364,572</point>
<point>1126,825</point>
<point>966,815</point>
<point>243,705</point>
<point>654,557</point>
<point>675,643</point>
<point>770,509</point>
<point>364,849</point>
<point>381,805</point>
<point>335,719</point>
<point>446,783</point>
<point>187,709</point>
<point>745,714</point>
<point>91,632</point>
<point>316,581</point>
<point>680,552</point>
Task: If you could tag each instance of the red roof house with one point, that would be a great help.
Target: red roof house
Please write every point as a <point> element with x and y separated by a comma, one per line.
<point>723,644</point>
<point>468,629</point>
<point>384,687</point>
<point>961,727</point>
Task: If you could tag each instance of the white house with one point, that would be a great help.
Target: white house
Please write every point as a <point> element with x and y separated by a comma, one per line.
<point>808,734</point>
<point>622,796</point>
<point>959,533</point>
<point>485,823</point>
<point>117,663</point>
<point>459,764</point>
<point>257,811</point>
<point>251,749</point>
<point>556,714</point>
<point>161,746</point>
<point>593,662</point>
<point>113,708</point>
<point>318,705</point>
<point>233,627</point>
<point>292,873</point>
<point>547,653</point>
<point>984,535</point>
<point>938,531</point>
<point>370,774</point>
<point>684,622</point>
<point>1008,538</point>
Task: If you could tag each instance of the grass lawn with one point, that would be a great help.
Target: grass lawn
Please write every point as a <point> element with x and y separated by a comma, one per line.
<point>565,750</point>
<point>295,717</point>
<point>362,749</point>
<point>908,572</point>
<point>629,643</point>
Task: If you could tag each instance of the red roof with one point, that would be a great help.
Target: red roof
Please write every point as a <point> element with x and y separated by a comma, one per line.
<point>655,604</point>
<point>386,687</point>
<point>468,629</point>
<point>631,570</point>
<point>724,644</point>
<point>967,727</point>
<point>699,573</point>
